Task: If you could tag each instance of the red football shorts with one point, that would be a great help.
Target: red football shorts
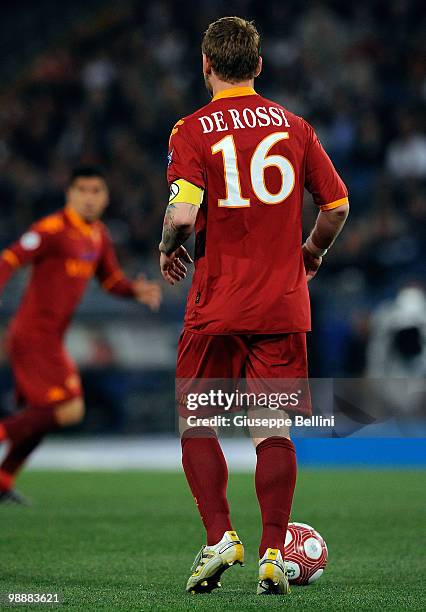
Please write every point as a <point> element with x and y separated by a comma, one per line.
<point>44,373</point>
<point>266,361</point>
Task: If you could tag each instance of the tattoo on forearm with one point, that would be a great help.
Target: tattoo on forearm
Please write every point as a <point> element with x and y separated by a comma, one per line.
<point>173,236</point>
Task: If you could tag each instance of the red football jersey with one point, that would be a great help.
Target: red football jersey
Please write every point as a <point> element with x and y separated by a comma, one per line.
<point>253,158</point>
<point>65,252</point>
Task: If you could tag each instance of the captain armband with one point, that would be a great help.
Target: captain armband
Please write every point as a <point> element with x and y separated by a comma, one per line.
<point>183,192</point>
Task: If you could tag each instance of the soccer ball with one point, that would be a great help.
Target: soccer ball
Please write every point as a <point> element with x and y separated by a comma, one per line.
<point>305,554</point>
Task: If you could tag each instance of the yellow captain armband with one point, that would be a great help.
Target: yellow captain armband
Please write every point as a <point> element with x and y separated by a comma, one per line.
<point>183,192</point>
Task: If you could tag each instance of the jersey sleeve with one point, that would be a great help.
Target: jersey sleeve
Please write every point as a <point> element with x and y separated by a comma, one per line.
<point>185,157</point>
<point>321,178</point>
<point>33,245</point>
<point>109,273</point>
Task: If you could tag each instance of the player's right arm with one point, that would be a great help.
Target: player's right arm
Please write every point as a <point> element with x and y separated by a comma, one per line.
<point>330,195</point>
<point>30,247</point>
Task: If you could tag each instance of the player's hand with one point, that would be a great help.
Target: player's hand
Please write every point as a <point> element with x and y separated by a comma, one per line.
<point>147,292</point>
<point>172,267</point>
<point>312,263</point>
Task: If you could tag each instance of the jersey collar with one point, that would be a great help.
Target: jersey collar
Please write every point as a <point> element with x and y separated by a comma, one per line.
<point>78,222</point>
<point>234,92</point>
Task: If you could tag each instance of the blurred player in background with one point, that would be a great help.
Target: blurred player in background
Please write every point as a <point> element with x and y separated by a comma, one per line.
<point>237,171</point>
<point>65,249</point>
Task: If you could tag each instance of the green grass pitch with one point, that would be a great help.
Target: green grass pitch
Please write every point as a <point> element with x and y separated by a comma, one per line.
<point>125,541</point>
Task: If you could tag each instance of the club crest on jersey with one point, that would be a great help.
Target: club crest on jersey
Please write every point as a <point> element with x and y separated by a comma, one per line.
<point>170,158</point>
<point>30,241</point>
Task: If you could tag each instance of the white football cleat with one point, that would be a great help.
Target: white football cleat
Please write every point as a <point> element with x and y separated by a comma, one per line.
<point>272,575</point>
<point>212,561</point>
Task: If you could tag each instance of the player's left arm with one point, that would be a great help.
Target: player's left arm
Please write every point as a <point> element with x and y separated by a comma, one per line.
<point>114,281</point>
<point>179,223</point>
<point>331,196</point>
<point>327,227</point>
<point>185,174</point>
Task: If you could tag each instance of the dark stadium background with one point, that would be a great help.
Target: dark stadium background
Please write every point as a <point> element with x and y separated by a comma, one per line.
<point>103,82</point>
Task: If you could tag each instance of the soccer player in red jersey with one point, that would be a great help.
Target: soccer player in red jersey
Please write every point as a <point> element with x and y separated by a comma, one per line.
<point>237,172</point>
<point>65,250</point>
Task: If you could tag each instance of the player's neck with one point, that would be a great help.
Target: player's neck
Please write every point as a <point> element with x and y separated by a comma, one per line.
<point>76,216</point>
<point>218,85</point>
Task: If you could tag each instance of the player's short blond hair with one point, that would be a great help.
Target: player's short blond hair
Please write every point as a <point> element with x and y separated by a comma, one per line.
<point>232,45</point>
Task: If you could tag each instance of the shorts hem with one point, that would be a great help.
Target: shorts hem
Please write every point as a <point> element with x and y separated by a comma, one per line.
<point>248,333</point>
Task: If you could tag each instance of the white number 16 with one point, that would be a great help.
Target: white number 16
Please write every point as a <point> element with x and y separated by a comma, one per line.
<point>259,162</point>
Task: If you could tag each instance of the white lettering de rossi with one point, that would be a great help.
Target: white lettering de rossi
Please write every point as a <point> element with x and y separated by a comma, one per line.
<point>261,116</point>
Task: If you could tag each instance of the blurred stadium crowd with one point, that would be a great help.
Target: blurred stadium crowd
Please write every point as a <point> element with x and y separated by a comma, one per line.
<point>109,89</point>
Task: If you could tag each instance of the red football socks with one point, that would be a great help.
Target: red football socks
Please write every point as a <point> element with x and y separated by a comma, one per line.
<point>275,481</point>
<point>6,481</point>
<point>27,423</point>
<point>14,459</point>
<point>207,475</point>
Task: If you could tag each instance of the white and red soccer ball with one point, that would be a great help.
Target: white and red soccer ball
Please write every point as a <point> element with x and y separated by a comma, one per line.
<point>305,554</point>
